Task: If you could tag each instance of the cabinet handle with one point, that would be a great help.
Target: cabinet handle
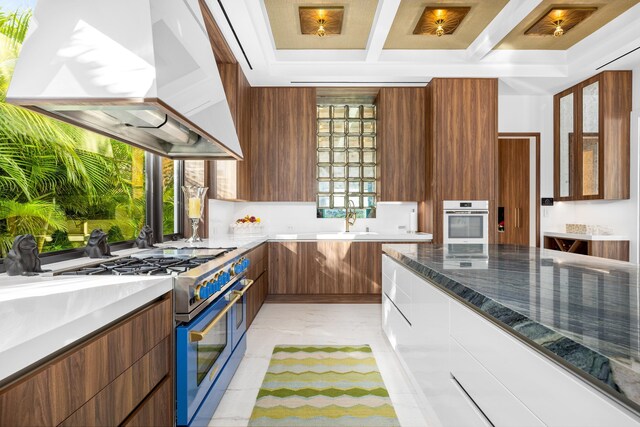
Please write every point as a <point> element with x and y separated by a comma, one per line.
<point>199,335</point>
<point>473,402</point>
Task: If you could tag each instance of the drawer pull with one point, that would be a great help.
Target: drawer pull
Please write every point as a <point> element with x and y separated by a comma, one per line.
<point>463,390</point>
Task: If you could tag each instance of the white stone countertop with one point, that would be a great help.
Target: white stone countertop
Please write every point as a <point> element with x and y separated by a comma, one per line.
<point>578,236</point>
<point>45,313</point>
<point>41,315</point>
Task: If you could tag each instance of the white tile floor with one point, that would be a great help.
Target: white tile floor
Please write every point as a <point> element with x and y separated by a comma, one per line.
<point>314,324</point>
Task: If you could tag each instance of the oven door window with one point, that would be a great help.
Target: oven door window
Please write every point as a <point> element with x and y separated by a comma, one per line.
<point>239,312</point>
<point>466,227</point>
<point>210,348</point>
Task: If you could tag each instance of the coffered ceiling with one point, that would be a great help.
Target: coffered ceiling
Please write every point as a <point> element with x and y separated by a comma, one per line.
<point>606,10</point>
<point>284,20</point>
<point>402,36</point>
<point>376,45</point>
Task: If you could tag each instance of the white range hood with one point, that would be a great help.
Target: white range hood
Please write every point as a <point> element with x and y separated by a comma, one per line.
<point>140,71</point>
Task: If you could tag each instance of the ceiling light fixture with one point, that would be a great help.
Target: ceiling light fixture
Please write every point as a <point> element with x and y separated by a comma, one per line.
<point>440,27</point>
<point>321,32</point>
<point>559,31</point>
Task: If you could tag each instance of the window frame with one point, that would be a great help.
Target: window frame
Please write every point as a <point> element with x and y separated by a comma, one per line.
<point>153,212</point>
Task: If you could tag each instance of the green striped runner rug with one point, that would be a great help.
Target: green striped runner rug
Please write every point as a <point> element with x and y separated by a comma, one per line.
<point>323,386</point>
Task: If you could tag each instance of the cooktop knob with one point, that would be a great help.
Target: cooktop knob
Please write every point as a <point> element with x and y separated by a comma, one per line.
<point>196,293</point>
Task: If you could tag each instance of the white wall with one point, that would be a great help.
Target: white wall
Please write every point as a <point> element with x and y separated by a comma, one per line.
<point>280,217</point>
<point>520,113</point>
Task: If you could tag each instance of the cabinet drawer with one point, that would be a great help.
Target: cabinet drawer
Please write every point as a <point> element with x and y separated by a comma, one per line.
<point>60,387</point>
<point>554,395</point>
<point>396,327</point>
<point>155,410</point>
<point>117,400</point>
<point>500,406</point>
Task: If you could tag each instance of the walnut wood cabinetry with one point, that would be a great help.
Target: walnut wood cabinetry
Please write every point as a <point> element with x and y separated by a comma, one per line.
<point>230,179</point>
<point>592,138</point>
<point>258,265</point>
<point>401,143</point>
<point>612,249</point>
<point>325,268</point>
<point>462,147</point>
<point>103,380</point>
<point>283,141</point>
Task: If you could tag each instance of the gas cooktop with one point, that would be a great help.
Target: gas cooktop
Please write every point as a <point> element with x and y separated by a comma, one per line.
<point>161,261</point>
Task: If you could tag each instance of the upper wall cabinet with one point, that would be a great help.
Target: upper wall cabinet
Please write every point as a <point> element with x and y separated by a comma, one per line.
<point>591,135</point>
<point>283,144</point>
<point>402,143</point>
<point>230,179</point>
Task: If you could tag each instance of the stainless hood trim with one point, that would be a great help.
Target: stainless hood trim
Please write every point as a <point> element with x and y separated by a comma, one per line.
<point>38,104</point>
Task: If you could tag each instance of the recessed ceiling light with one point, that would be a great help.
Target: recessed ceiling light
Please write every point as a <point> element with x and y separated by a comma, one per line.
<point>321,21</point>
<point>559,20</point>
<point>439,21</point>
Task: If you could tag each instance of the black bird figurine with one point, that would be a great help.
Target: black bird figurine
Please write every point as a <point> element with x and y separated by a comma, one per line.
<point>145,238</point>
<point>98,246</point>
<point>23,258</point>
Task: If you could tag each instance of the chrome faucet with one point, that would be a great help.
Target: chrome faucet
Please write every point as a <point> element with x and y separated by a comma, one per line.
<point>350,215</point>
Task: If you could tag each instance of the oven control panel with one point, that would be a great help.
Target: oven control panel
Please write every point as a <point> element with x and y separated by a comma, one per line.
<point>220,279</point>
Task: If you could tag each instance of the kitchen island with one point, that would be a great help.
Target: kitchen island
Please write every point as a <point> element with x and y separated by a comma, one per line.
<point>529,336</point>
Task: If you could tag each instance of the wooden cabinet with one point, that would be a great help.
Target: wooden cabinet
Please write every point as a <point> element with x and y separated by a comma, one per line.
<point>366,268</point>
<point>591,138</point>
<point>231,179</point>
<point>325,268</point>
<point>462,147</point>
<point>283,144</point>
<point>612,249</point>
<point>258,264</point>
<point>401,143</point>
<point>103,380</point>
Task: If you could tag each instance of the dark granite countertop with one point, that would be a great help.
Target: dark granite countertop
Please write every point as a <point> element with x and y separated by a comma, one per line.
<point>580,311</point>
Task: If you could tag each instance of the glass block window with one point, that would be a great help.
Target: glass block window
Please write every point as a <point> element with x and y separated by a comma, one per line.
<point>346,167</point>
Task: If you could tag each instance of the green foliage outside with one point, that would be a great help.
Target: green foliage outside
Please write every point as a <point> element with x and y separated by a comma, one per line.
<point>57,181</point>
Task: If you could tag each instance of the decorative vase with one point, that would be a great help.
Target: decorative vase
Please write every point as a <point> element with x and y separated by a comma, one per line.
<point>194,199</point>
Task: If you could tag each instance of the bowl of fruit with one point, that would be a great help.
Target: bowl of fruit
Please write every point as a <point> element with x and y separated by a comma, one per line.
<point>247,225</point>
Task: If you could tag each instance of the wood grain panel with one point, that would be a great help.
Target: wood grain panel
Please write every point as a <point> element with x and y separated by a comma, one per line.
<point>401,144</point>
<point>618,250</point>
<point>264,144</point>
<point>616,131</point>
<point>332,267</point>
<point>296,144</point>
<point>513,190</point>
<point>156,410</point>
<point>243,113</point>
<point>290,268</point>
<point>366,268</point>
<point>221,49</point>
<point>464,143</point>
<point>113,404</point>
<point>324,299</point>
<point>84,370</point>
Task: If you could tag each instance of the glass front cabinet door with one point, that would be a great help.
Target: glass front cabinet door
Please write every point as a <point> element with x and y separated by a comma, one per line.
<point>592,138</point>
<point>566,136</point>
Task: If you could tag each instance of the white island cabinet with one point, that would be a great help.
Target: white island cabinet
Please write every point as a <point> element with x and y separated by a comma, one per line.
<point>470,372</point>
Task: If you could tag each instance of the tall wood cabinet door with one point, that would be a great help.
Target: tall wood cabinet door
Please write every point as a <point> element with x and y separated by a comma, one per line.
<point>401,143</point>
<point>332,265</point>
<point>264,144</point>
<point>290,267</point>
<point>513,189</point>
<point>366,268</point>
<point>243,113</point>
<point>296,157</point>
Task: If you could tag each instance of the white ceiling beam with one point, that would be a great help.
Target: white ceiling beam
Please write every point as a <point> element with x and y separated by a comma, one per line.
<point>382,22</point>
<point>508,18</point>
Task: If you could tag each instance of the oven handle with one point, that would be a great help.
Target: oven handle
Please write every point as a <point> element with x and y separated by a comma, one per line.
<point>195,336</point>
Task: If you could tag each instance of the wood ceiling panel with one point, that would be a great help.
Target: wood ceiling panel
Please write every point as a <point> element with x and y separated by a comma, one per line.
<point>284,18</point>
<point>410,12</point>
<point>606,11</point>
